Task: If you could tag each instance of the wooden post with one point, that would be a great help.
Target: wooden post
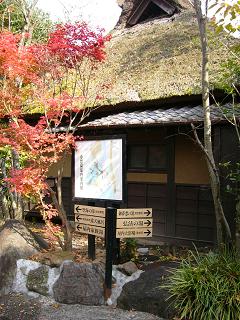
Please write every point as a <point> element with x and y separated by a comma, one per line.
<point>110,240</point>
<point>91,241</point>
<point>91,247</point>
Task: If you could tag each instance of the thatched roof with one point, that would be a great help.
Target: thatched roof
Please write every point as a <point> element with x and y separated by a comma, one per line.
<point>129,7</point>
<point>158,59</point>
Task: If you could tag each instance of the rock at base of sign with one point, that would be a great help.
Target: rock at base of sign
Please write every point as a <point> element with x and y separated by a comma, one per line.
<point>147,293</point>
<point>80,284</point>
<point>16,242</point>
<point>143,251</point>
<point>128,268</point>
<point>37,280</point>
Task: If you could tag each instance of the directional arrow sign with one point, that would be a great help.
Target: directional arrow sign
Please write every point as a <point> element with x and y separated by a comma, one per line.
<point>91,220</point>
<point>134,223</point>
<point>90,211</point>
<point>134,213</point>
<point>96,231</point>
<point>134,233</point>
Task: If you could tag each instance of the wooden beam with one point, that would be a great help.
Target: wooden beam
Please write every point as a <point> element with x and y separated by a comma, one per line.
<point>163,4</point>
<point>138,12</point>
<point>171,188</point>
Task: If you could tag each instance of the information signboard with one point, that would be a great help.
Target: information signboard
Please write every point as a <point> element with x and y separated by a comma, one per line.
<point>98,169</point>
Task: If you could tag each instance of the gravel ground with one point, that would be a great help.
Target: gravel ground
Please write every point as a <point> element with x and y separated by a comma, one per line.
<point>15,306</point>
<point>19,307</point>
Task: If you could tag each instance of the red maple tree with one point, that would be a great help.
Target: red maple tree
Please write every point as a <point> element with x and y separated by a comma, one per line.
<point>53,79</point>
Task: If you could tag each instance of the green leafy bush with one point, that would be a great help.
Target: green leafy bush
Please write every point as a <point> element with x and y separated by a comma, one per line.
<point>207,287</point>
<point>129,250</point>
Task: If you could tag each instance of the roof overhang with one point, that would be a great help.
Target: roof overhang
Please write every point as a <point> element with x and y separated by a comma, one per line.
<point>159,117</point>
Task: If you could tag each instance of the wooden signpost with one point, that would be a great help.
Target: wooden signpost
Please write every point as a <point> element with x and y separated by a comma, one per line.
<point>88,210</point>
<point>93,230</point>
<point>134,233</point>
<point>130,223</point>
<point>90,220</point>
<point>111,224</point>
<point>134,213</point>
<point>134,223</point>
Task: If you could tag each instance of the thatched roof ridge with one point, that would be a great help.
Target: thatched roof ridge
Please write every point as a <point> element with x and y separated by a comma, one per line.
<point>129,6</point>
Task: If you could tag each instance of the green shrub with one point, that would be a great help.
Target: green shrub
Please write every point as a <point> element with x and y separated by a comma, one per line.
<point>207,287</point>
<point>129,250</point>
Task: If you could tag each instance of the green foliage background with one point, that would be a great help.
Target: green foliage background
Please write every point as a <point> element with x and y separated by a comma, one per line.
<point>12,17</point>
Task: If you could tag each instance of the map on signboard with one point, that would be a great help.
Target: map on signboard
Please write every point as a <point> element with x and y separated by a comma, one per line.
<point>98,169</point>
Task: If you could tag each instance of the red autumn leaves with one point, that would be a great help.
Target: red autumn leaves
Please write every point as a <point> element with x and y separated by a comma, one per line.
<point>36,77</point>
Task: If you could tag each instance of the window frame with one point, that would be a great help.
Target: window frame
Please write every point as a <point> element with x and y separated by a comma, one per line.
<point>147,167</point>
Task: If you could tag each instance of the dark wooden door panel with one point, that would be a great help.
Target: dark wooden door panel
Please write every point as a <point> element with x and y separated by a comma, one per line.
<point>159,229</point>
<point>186,219</point>
<point>206,234</point>
<point>153,196</point>
<point>136,189</point>
<point>195,213</point>
<point>136,202</point>
<point>186,205</point>
<point>187,232</point>
<point>187,193</point>
<point>156,190</point>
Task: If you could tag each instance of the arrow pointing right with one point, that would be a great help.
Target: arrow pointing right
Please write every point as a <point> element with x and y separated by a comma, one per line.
<point>148,233</point>
<point>148,223</point>
<point>148,212</point>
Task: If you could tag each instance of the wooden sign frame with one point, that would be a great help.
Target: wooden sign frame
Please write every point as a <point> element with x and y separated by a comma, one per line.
<point>90,194</point>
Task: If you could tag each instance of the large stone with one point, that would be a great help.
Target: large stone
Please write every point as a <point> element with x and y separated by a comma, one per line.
<point>146,293</point>
<point>16,242</point>
<point>32,277</point>
<point>128,268</point>
<point>80,283</point>
<point>37,280</point>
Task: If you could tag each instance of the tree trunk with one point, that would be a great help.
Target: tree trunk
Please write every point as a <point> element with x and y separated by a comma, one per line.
<point>223,230</point>
<point>5,210</point>
<point>59,206</point>
<point>17,203</point>
<point>67,229</point>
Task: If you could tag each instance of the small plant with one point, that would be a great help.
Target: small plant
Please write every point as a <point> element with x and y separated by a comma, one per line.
<point>129,250</point>
<point>207,287</point>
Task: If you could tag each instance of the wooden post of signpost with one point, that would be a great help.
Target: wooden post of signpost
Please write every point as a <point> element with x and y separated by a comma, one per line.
<point>116,245</point>
<point>91,247</point>
<point>110,240</point>
<point>91,242</point>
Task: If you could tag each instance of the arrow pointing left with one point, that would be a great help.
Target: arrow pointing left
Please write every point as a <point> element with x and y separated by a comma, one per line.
<point>77,208</point>
<point>78,218</point>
